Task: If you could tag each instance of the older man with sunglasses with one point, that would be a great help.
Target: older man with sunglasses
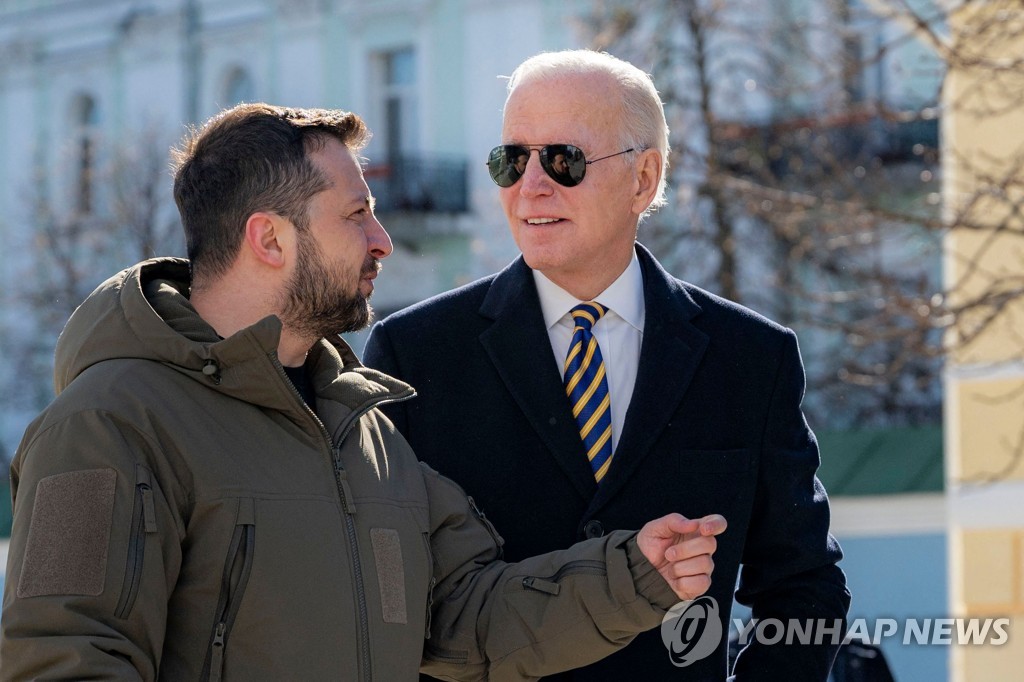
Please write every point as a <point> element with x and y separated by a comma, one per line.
<point>583,388</point>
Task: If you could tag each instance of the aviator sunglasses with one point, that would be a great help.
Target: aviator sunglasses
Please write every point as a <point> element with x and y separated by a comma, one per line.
<point>564,163</point>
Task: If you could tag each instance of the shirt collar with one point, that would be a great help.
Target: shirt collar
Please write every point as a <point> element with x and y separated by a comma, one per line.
<point>624,296</point>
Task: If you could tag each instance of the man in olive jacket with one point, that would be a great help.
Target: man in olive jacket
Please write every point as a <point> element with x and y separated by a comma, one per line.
<point>214,493</point>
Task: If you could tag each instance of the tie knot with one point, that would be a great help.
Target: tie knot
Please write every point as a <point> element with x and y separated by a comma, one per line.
<point>586,314</point>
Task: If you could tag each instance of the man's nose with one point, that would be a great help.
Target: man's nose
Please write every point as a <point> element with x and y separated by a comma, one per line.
<point>535,179</point>
<point>378,240</point>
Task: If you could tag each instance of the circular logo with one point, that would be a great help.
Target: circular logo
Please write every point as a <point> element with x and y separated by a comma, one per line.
<point>691,630</point>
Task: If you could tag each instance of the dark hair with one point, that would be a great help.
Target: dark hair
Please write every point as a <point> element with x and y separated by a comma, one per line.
<point>252,157</point>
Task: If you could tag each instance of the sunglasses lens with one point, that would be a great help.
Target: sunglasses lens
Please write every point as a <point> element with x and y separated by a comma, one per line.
<point>564,163</point>
<point>507,163</point>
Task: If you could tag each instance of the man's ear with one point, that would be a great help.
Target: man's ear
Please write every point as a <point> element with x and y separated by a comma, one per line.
<point>649,167</point>
<point>267,237</point>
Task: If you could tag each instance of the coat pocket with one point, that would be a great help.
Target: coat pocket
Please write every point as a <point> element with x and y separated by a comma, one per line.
<point>143,523</point>
<point>237,569</point>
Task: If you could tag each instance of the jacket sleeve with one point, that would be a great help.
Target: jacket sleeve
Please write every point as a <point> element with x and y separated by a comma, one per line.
<point>79,601</point>
<point>497,621</point>
<point>789,562</point>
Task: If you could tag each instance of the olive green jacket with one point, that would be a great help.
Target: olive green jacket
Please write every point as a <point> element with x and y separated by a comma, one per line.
<point>179,512</point>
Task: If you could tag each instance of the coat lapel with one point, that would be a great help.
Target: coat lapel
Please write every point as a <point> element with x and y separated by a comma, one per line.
<point>669,355</point>
<point>518,345</point>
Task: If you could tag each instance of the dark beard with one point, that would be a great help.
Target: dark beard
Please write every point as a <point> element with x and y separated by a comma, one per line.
<point>315,303</point>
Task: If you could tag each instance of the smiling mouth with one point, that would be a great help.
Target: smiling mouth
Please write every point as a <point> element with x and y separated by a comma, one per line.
<point>542,221</point>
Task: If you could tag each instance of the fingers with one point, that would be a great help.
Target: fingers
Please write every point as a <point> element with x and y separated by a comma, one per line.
<point>690,587</point>
<point>673,524</point>
<point>700,565</point>
<point>692,547</point>
<point>691,577</point>
<point>689,562</point>
<point>712,524</point>
<point>675,538</point>
<point>677,524</point>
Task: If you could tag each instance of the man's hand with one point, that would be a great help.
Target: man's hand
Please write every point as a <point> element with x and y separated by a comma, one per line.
<point>681,549</point>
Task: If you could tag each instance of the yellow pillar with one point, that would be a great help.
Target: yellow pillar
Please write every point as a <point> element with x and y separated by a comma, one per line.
<point>983,166</point>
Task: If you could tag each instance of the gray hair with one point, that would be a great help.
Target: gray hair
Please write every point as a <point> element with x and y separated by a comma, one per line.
<point>642,111</point>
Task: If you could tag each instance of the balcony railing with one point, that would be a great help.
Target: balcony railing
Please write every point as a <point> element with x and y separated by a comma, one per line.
<point>419,184</point>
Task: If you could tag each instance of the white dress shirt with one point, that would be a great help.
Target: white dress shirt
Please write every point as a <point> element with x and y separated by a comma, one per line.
<point>619,333</point>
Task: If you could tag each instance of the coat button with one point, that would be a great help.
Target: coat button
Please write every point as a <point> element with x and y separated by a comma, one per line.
<point>593,529</point>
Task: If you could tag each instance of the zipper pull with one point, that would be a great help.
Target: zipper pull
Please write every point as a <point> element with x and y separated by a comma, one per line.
<point>342,477</point>
<point>217,659</point>
<point>144,483</point>
<point>148,508</point>
<point>542,585</point>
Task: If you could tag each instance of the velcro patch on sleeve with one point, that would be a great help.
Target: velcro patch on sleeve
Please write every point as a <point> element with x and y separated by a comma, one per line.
<point>69,534</point>
<point>387,553</point>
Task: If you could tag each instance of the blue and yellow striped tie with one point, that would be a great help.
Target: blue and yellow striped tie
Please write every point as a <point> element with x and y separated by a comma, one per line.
<point>587,388</point>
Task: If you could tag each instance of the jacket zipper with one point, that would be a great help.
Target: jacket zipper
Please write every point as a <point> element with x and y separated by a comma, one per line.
<point>143,522</point>
<point>348,505</point>
<point>430,587</point>
<point>550,585</point>
<point>237,568</point>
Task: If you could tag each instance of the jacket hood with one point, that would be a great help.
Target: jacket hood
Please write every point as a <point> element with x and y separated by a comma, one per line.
<point>144,313</point>
<point>120,319</point>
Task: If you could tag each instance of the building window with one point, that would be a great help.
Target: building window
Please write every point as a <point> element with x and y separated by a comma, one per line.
<point>400,175</point>
<point>85,116</point>
<point>398,103</point>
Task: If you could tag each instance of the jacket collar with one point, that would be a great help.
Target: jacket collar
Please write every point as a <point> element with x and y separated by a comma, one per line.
<point>144,313</point>
<point>669,356</point>
<point>517,343</point>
